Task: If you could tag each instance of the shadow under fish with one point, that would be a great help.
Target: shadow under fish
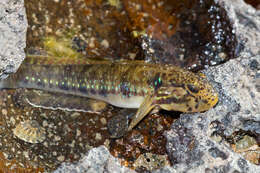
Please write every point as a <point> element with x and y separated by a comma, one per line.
<point>117,125</point>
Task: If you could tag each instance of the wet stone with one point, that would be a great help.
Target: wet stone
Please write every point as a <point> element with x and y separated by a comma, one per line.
<point>255,4</point>
<point>182,145</point>
<point>254,65</point>
<point>236,171</point>
<point>208,170</point>
<point>44,123</point>
<point>203,40</point>
<point>222,169</point>
<point>75,115</point>
<point>151,161</point>
<point>103,121</point>
<point>189,44</point>
<point>98,136</point>
<point>4,112</point>
<point>78,132</point>
<point>61,158</point>
<point>242,163</point>
<point>56,125</point>
<point>117,126</point>
<point>215,152</point>
<point>142,169</point>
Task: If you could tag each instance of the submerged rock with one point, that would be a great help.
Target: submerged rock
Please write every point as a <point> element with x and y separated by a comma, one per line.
<point>13,25</point>
<point>199,35</point>
<point>97,160</point>
<point>202,142</point>
<point>215,132</point>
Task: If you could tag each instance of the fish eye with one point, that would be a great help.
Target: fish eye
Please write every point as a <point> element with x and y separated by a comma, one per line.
<point>193,88</point>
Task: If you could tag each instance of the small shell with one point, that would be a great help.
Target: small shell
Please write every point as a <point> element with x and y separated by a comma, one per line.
<point>30,131</point>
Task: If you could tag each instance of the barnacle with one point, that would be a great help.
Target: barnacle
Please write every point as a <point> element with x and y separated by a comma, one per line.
<point>30,131</point>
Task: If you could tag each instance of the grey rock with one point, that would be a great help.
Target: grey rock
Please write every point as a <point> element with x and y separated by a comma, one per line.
<point>13,25</point>
<point>237,82</point>
<point>97,160</point>
<point>190,145</point>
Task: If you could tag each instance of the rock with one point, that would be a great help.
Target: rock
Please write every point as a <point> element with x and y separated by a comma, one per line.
<point>202,142</point>
<point>13,25</point>
<point>205,39</point>
<point>97,160</point>
<point>190,143</point>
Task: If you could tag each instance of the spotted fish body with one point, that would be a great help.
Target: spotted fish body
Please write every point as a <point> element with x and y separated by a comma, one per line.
<point>128,84</point>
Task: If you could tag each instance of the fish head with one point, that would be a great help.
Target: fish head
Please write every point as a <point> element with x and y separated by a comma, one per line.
<point>188,92</point>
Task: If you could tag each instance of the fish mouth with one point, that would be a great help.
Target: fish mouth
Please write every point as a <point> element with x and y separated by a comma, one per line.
<point>210,102</point>
<point>214,101</point>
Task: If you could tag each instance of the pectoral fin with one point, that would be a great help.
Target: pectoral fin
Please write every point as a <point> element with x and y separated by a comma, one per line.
<point>143,110</point>
<point>54,101</point>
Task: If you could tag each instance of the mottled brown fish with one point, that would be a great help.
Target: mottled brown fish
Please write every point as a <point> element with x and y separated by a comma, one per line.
<point>127,84</point>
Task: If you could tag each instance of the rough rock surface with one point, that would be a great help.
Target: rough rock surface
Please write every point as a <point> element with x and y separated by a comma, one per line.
<point>97,160</point>
<point>13,25</point>
<point>191,143</point>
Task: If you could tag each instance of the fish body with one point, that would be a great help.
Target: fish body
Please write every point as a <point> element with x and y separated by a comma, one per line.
<point>127,84</point>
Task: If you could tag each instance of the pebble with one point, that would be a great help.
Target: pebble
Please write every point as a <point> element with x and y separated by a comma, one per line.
<point>105,44</point>
<point>4,112</point>
<point>103,121</point>
<point>78,132</point>
<point>98,136</point>
<point>61,158</point>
